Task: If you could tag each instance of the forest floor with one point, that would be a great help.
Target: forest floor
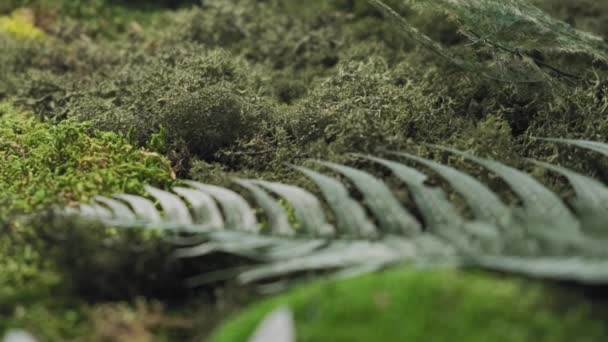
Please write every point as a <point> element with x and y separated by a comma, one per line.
<point>105,96</point>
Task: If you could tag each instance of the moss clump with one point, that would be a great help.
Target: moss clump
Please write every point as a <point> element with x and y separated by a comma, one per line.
<point>369,104</point>
<point>44,164</point>
<point>311,80</point>
<point>206,121</point>
<point>97,18</point>
<point>54,319</point>
<point>146,321</point>
<point>304,38</point>
<point>409,305</point>
<point>195,95</point>
<point>587,15</point>
<point>20,23</point>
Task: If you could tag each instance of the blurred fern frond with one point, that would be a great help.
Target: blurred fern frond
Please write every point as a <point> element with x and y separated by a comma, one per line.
<point>541,237</point>
<point>524,42</point>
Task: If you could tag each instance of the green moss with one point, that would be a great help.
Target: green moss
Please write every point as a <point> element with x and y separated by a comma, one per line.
<point>48,317</point>
<point>586,15</point>
<point>409,305</point>
<point>306,38</point>
<point>99,18</point>
<point>197,96</point>
<point>44,164</point>
<point>369,104</point>
<point>237,88</point>
<point>310,80</point>
<point>21,24</point>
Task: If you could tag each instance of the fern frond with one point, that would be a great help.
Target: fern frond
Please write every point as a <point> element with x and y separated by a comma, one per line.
<point>391,216</point>
<point>514,30</point>
<point>307,207</point>
<point>532,239</point>
<point>517,25</point>
<point>486,205</point>
<point>538,201</point>
<point>350,215</point>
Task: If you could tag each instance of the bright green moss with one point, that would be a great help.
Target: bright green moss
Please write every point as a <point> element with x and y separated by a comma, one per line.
<point>409,305</point>
<point>44,164</point>
<point>20,24</point>
<point>104,18</point>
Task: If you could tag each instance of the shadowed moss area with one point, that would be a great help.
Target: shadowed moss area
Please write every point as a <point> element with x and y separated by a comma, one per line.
<point>410,305</point>
<point>587,15</point>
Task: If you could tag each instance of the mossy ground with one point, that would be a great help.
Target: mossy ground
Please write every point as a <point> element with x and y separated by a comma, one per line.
<point>66,162</point>
<point>415,305</point>
<point>46,164</point>
<point>314,80</point>
<point>104,96</point>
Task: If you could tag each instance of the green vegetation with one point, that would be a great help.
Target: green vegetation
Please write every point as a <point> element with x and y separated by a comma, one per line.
<point>20,24</point>
<point>46,164</point>
<point>307,81</point>
<point>105,18</point>
<point>423,305</point>
<point>541,237</point>
<point>105,96</point>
